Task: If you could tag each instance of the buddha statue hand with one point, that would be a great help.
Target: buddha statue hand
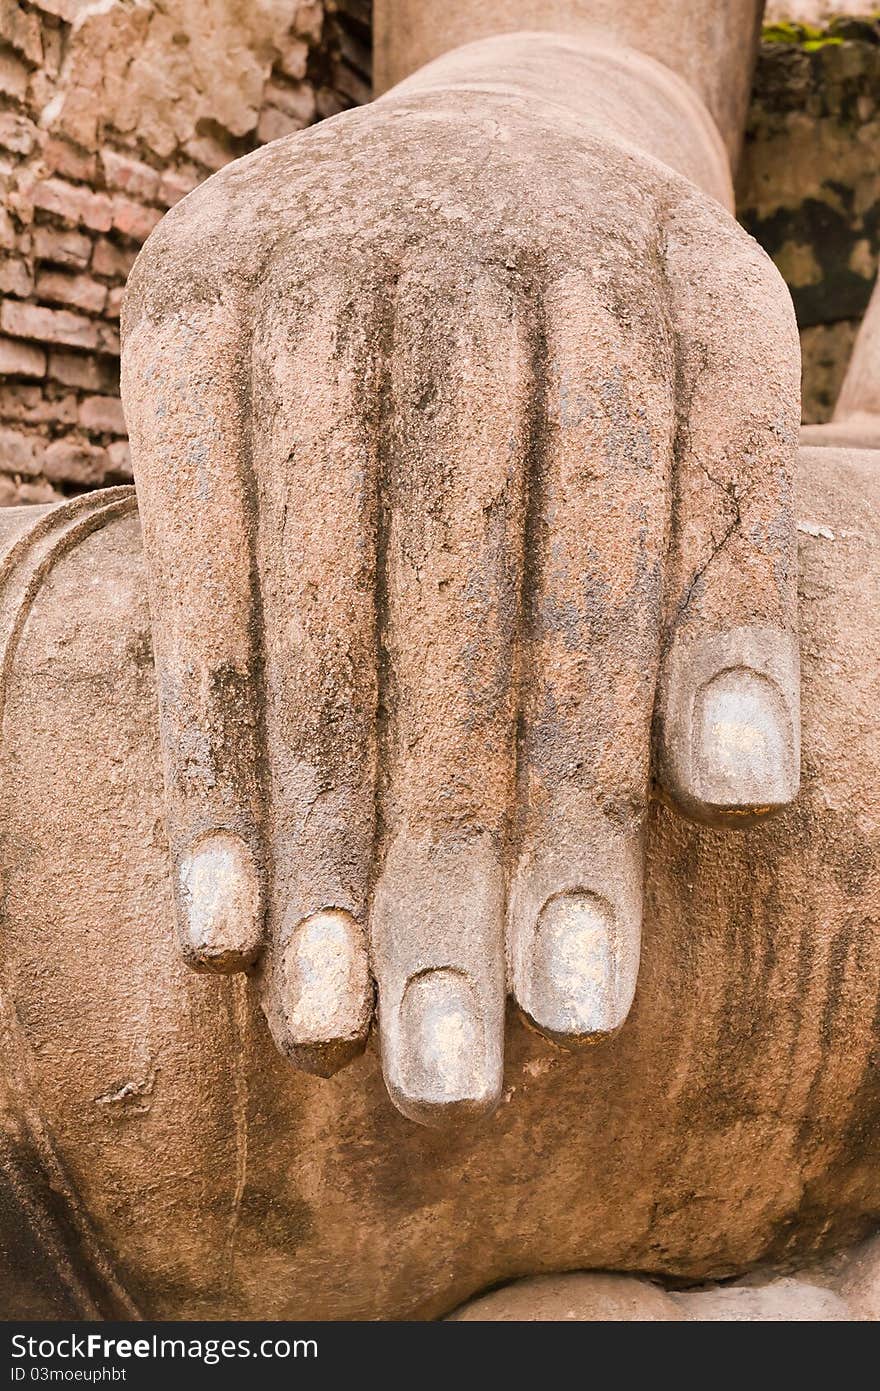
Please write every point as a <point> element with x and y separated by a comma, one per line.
<point>464,428</point>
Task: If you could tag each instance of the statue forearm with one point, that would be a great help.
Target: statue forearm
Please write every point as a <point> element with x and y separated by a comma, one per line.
<point>709,43</point>
<point>574,86</point>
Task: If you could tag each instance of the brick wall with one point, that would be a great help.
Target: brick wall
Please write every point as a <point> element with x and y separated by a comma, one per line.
<point>109,113</point>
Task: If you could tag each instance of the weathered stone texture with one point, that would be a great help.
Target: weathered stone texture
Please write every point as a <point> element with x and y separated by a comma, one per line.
<point>732,1122</point>
<point>95,145</point>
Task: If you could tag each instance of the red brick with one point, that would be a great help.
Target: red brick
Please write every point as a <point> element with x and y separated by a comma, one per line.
<point>274,124</point>
<point>41,90</point>
<point>111,260</point>
<point>208,152</point>
<point>21,30</point>
<point>295,59</point>
<point>134,221</point>
<point>13,77</point>
<point>130,175</point>
<point>9,493</point>
<point>20,359</point>
<point>21,453</point>
<point>48,325</point>
<point>176,184</point>
<point>77,290</point>
<point>17,133</point>
<point>63,9</point>
<point>114,302</point>
<point>15,277</point>
<point>16,398</point>
<point>29,405</point>
<point>52,49</point>
<point>296,101</point>
<point>38,491</point>
<point>108,340</point>
<point>103,415</point>
<point>88,373</point>
<point>74,204</point>
<point>15,493</point>
<point>120,458</point>
<point>62,248</point>
<point>308,21</point>
<point>66,159</point>
<point>67,461</point>
<point>327,103</point>
<point>7,229</point>
<point>351,84</point>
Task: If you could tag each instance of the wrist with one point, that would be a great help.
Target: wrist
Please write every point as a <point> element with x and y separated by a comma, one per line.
<point>710,44</point>
<point>592,87</point>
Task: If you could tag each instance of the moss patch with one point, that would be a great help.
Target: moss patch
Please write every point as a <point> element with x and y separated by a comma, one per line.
<point>811,38</point>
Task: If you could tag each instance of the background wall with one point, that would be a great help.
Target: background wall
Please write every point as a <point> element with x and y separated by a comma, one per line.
<point>111,110</point>
<point>809,182</point>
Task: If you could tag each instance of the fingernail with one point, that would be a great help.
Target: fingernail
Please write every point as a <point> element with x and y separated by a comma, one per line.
<point>444,1070</point>
<point>220,908</point>
<point>582,980</point>
<point>328,994</point>
<point>729,748</point>
<point>743,754</point>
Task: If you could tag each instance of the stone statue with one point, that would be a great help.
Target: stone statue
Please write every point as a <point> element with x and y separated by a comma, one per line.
<point>464,426</point>
<point>465,430</point>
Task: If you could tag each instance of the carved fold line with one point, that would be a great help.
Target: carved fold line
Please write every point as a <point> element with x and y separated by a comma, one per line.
<point>384,336</point>
<point>532,558</point>
<point>66,1234</point>
<point>34,554</point>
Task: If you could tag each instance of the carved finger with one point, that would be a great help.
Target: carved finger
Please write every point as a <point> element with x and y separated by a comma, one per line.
<point>313,456</point>
<point>185,407</point>
<point>450,541</point>
<point>596,539</point>
<point>729,708</point>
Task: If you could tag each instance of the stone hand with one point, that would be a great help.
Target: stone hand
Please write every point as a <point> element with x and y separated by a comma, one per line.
<point>464,429</point>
